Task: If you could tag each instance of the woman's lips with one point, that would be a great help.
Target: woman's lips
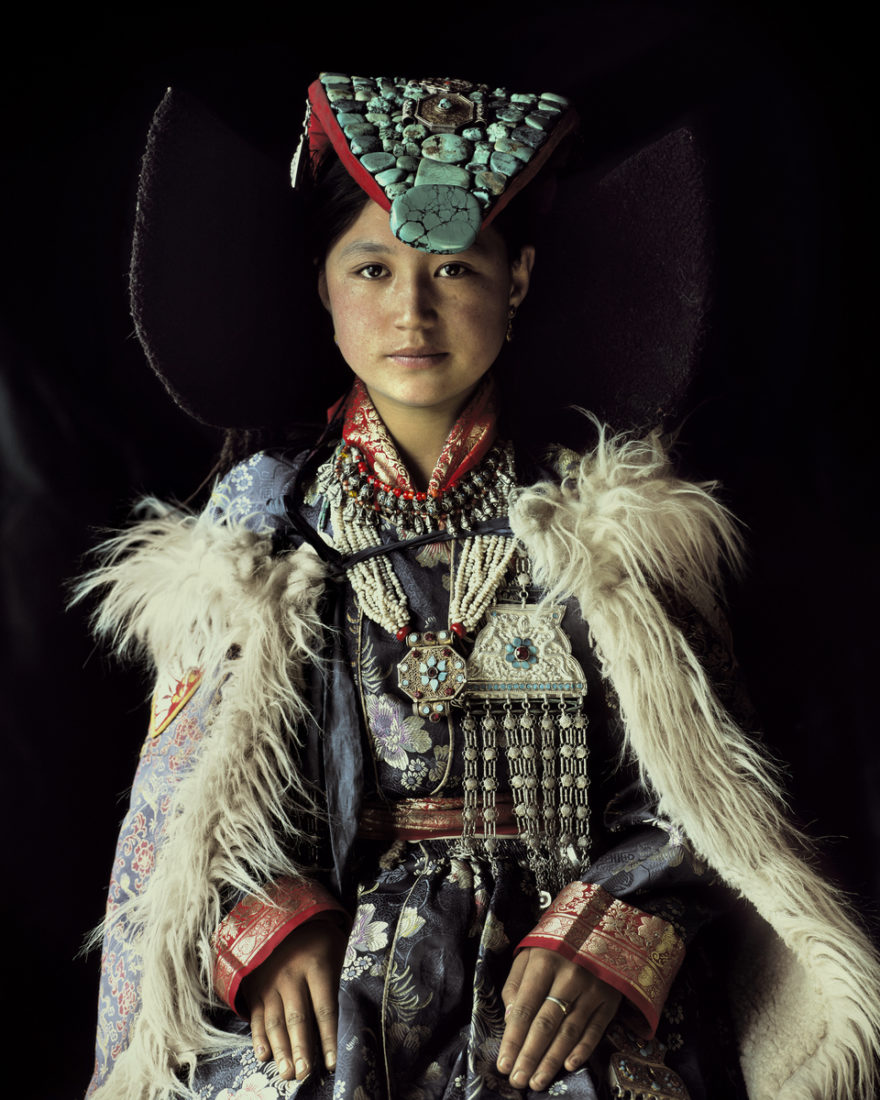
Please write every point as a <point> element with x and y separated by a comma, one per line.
<point>417,357</point>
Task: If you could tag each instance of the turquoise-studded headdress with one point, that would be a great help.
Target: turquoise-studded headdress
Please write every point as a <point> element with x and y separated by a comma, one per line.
<point>442,156</point>
<point>223,286</point>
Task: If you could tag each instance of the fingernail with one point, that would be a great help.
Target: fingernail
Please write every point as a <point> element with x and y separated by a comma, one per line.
<point>519,1079</point>
<point>330,1059</point>
<point>573,1063</point>
<point>283,1066</point>
<point>504,1064</point>
<point>260,1052</point>
<point>538,1083</point>
<point>301,1067</point>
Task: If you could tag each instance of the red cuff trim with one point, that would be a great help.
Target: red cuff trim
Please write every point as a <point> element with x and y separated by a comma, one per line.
<point>252,930</point>
<point>632,951</point>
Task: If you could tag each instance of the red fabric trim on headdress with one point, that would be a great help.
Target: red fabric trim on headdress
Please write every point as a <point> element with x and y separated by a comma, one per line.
<point>323,127</point>
<point>466,445</point>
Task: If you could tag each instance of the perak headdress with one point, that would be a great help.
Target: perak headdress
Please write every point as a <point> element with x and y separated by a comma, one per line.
<point>223,291</point>
<point>442,156</point>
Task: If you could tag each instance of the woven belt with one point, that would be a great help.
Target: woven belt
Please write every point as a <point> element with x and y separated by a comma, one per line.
<point>429,819</point>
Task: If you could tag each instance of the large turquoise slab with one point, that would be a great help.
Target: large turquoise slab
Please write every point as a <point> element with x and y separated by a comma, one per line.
<point>436,218</point>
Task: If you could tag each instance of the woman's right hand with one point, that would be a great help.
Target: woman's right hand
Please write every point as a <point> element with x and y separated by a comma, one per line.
<point>294,992</point>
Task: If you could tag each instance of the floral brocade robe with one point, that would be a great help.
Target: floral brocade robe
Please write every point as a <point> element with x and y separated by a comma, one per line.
<point>435,925</point>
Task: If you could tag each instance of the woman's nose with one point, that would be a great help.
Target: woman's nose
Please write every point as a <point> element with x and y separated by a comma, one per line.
<point>414,301</point>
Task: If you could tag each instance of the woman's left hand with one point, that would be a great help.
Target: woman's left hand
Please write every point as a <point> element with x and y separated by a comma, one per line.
<point>538,1035</point>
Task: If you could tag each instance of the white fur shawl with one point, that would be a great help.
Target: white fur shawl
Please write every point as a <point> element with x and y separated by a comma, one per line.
<point>616,531</point>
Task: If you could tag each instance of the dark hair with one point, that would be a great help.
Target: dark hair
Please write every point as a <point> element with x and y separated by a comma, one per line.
<point>334,200</point>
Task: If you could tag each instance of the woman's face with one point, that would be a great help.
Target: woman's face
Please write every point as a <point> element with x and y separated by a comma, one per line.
<point>419,330</point>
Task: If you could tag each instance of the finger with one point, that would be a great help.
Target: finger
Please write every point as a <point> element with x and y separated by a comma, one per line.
<point>288,1022</point>
<point>323,993</point>
<point>258,1034</point>
<point>571,1028</point>
<point>542,1033</point>
<point>275,1023</point>
<point>593,1031</point>
<point>523,1009</point>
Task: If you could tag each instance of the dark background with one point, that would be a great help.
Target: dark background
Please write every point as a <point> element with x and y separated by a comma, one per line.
<point>782,412</point>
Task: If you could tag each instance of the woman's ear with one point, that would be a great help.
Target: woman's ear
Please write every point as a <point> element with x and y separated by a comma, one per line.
<point>520,275</point>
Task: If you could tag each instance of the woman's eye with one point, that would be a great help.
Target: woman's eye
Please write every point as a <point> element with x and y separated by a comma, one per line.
<point>452,271</point>
<point>372,271</point>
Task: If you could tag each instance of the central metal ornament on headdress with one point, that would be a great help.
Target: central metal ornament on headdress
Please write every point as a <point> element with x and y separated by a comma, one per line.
<point>443,156</point>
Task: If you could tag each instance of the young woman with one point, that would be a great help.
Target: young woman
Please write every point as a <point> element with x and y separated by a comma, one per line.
<point>441,796</point>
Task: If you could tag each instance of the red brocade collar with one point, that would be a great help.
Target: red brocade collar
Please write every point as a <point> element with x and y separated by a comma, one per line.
<point>466,445</point>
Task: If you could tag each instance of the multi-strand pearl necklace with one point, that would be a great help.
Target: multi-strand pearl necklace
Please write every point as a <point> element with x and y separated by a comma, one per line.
<point>360,503</point>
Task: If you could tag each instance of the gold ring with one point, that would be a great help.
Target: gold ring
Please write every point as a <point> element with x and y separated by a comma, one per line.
<point>564,1005</point>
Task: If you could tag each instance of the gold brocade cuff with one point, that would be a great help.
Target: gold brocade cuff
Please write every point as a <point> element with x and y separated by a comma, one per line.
<point>636,953</point>
<point>249,933</point>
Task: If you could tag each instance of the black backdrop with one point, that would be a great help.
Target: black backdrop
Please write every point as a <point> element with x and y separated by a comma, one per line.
<point>782,412</point>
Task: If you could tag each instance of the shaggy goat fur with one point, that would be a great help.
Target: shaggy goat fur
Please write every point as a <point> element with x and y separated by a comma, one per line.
<point>614,534</point>
<point>213,598</point>
<point>618,531</point>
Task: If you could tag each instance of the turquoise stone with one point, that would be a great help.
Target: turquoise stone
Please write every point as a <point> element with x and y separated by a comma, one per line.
<point>436,218</point>
<point>415,132</point>
<point>550,108</point>
<point>390,175</point>
<point>378,117</point>
<point>473,133</point>
<point>448,148</point>
<point>380,103</point>
<point>362,95</point>
<point>358,129</point>
<point>366,143</point>
<point>482,152</point>
<point>348,118</point>
<point>523,97</point>
<point>341,97</point>
<point>510,114</point>
<point>334,78</point>
<point>539,120</point>
<point>529,136</point>
<point>497,130</point>
<point>492,182</point>
<point>398,149</point>
<point>505,163</point>
<point>435,171</point>
<point>515,148</point>
<point>378,162</point>
<point>392,190</point>
<point>554,98</point>
<point>482,197</point>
